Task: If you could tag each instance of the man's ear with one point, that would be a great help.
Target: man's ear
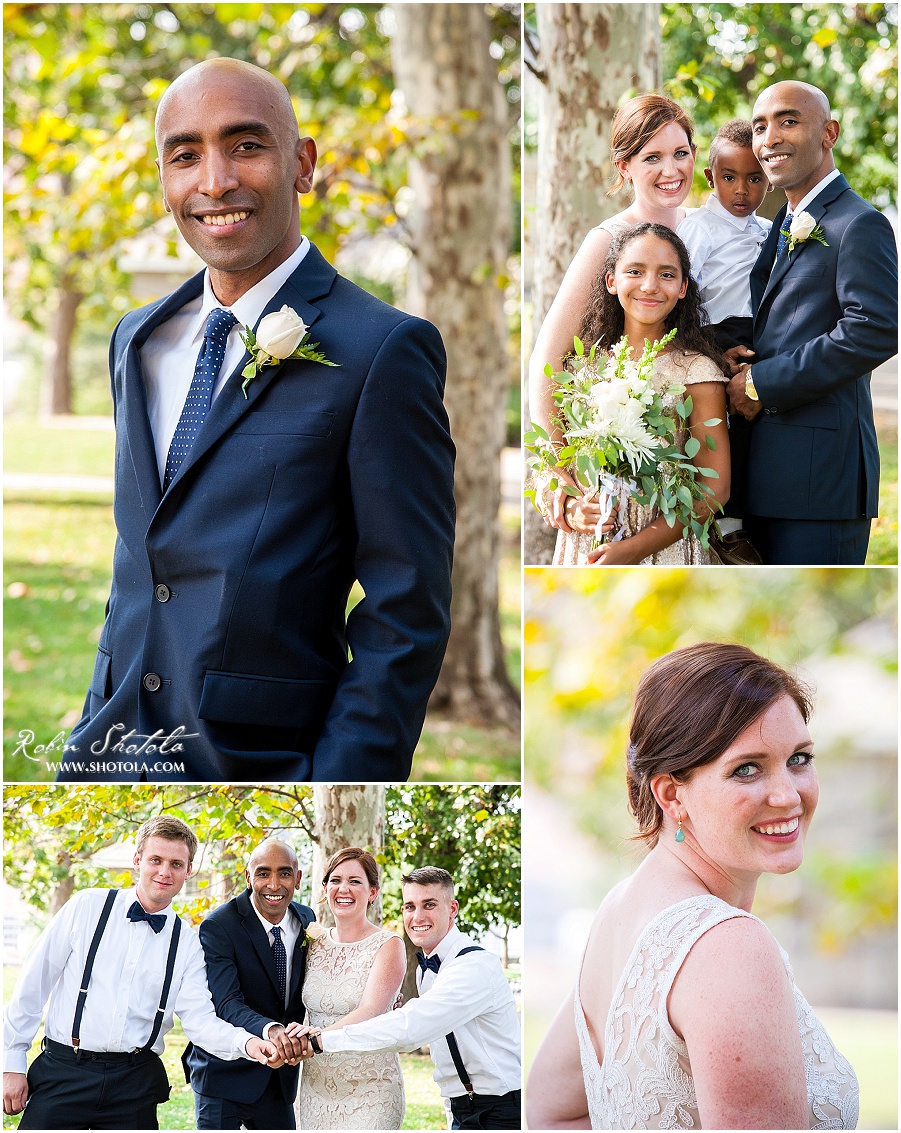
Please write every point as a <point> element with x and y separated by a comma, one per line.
<point>306,163</point>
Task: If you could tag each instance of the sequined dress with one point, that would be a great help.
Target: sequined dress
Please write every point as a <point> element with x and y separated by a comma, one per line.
<point>347,1089</point>
<point>645,1080</point>
<point>572,549</point>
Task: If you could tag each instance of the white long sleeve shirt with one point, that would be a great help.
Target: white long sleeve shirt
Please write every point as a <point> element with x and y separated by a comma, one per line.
<point>722,249</point>
<point>125,988</point>
<point>469,996</point>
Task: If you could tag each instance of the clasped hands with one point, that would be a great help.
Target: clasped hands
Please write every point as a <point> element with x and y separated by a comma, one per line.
<point>290,1044</point>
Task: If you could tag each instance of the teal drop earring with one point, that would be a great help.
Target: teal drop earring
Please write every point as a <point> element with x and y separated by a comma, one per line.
<point>680,833</point>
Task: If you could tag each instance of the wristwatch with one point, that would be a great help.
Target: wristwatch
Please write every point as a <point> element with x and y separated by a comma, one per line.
<point>750,391</point>
<point>315,1043</point>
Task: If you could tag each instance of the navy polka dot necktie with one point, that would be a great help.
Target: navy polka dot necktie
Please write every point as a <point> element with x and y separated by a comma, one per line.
<point>783,240</point>
<point>200,395</point>
<point>280,956</point>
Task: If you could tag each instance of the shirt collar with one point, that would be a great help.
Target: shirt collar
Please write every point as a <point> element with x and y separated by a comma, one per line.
<point>814,192</point>
<point>720,210</point>
<point>252,303</point>
<point>450,945</point>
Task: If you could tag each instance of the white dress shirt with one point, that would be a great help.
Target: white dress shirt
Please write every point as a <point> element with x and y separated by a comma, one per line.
<point>722,249</point>
<point>469,996</point>
<point>125,988</point>
<point>807,201</point>
<point>170,353</point>
<point>290,926</point>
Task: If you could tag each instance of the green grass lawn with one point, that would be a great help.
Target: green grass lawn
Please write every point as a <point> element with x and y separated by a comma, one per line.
<point>58,559</point>
<point>883,548</point>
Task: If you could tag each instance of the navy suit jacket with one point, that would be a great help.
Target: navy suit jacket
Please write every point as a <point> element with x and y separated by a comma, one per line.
<point>823,319</point>
<point>241,974</point>
<point>227,617</point>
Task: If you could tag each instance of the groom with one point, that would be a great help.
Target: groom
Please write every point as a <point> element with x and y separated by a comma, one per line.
<point>256,951</point>
<point>244,517</point>
<point>825,314</point>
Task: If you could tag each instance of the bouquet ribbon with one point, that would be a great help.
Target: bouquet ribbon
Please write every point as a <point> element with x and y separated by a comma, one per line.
<point>612,487</point>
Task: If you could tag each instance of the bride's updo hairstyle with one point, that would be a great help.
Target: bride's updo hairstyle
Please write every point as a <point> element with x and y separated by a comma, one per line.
<point>690,706</point>
<point>636,122</point>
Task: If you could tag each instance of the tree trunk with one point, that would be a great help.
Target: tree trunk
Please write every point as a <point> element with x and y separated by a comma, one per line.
<point>64,888</point>
<point>590,57</point>
<point>56,393</point>
<point>460,228</point>
<point>346,815</point>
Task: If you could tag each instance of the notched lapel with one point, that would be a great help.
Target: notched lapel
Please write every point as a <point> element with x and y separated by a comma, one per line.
<point>132,414</point>
<point>260,941</point>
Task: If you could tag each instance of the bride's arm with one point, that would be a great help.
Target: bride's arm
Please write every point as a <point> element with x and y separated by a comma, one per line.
<point>708,402</point>
<point>555,1092</point>
<point>385,977</point>
<point>734,1006</point>
<point>555,340</point>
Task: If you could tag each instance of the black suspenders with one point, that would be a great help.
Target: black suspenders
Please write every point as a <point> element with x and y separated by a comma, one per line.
<point>452,1042</point>
<point>89,967</point>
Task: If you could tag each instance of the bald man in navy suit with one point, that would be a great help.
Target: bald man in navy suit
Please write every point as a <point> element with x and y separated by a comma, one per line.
<point>245,515</point>
<point>825,315</point>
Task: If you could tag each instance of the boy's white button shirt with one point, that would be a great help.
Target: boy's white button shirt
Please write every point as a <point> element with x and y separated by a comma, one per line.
<point>723,249</point>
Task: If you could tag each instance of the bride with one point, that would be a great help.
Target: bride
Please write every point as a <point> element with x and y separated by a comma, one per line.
<point>354,972</point>
<point>685,1013</point>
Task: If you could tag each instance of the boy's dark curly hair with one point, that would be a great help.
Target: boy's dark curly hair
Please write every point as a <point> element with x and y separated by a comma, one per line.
<point>605,321</point>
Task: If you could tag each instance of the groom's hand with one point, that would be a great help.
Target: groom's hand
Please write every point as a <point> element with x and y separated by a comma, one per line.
<point>736,356</point>
<point>15,1093</point>
<point>739,402</point>
<point>290,1047</point>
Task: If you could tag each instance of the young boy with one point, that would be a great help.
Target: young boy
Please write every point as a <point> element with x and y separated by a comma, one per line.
<point>723,240</point>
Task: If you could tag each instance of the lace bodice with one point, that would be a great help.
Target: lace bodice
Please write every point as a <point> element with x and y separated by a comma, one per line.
<point>572,550</point>
<point>645,1079</point>
<point>346,1090</point>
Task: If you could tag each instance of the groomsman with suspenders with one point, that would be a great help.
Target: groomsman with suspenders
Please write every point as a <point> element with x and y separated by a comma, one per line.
<point>465,1012</point>
<point>115,966</point>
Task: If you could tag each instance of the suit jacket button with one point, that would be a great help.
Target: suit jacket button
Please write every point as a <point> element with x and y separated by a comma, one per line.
<point>152,682</point>
<point>162,592</point>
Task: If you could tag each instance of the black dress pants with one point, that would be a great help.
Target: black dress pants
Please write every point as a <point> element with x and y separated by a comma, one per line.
<point>487,1111</point>
<point>93,1091</point>
<point>270,1111</point>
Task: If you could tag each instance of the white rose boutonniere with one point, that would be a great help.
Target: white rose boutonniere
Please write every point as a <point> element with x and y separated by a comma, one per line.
<point>314,932</point>
<point>280,335</point>
<point>803,227</point>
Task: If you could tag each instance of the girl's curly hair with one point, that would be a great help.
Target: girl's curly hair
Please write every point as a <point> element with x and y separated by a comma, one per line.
<point>604,320</point>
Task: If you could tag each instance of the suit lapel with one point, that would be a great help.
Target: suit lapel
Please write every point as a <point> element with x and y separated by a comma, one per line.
<point>131,415</point>
<point>787,261</point>
<point>312,280</point>
<point>258,938</point>
<point>299,955</point>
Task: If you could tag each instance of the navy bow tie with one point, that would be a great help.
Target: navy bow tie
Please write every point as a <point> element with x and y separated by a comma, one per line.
<point>430,963</point>
<point>157,921</point>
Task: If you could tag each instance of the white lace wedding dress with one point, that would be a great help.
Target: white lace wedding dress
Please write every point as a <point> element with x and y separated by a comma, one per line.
<point>346,1090</point>
<point>645,1079</point>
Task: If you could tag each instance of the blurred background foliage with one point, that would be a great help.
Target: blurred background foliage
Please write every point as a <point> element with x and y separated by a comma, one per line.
<point>717,58</point>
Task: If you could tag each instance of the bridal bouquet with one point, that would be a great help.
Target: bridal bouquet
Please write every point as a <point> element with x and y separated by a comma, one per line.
<point>621,438</point>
